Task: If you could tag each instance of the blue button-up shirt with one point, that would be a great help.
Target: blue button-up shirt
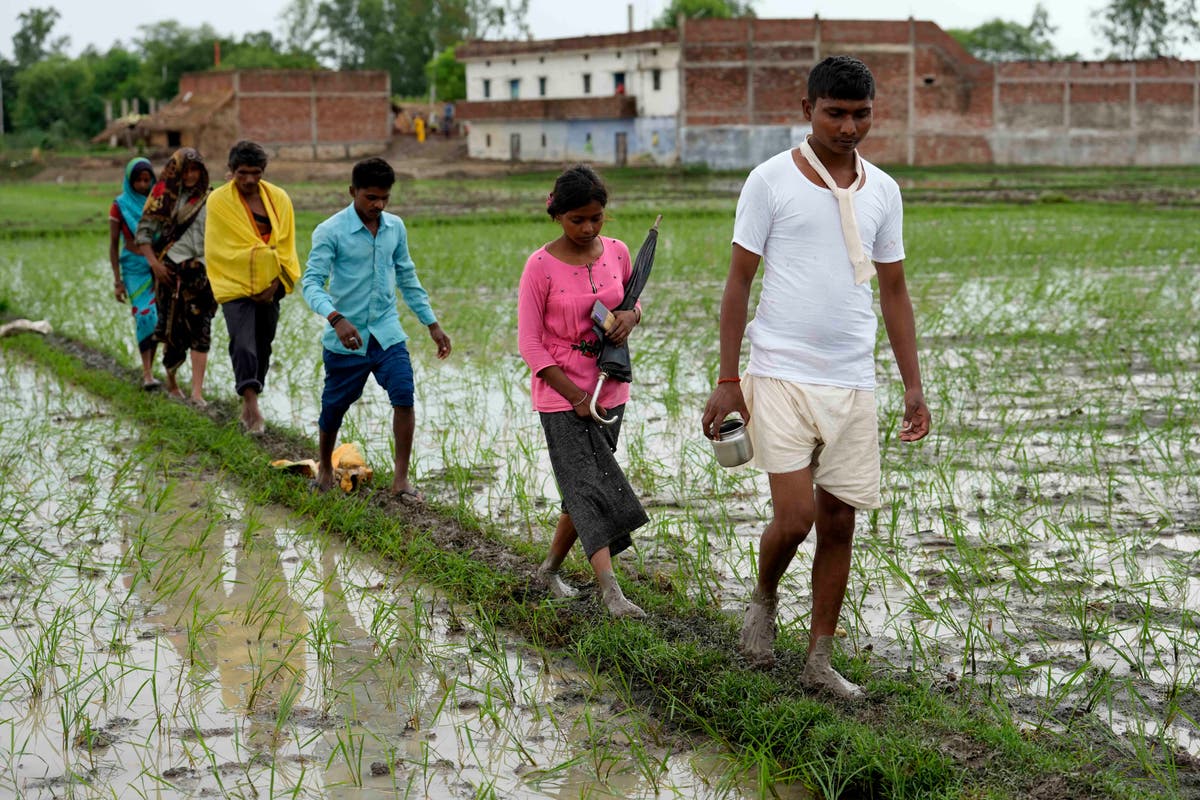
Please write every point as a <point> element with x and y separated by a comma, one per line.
<point>362,273</point>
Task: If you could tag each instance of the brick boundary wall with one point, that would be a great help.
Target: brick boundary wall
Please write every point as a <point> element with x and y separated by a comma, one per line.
<point>302,113</point>
<point>741,81</point>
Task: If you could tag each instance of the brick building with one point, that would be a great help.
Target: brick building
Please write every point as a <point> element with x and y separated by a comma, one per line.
<point>299,114</point>
<point>735,88</point>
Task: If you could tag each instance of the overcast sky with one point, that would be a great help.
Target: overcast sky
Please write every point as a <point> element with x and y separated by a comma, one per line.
<point>102,22</point>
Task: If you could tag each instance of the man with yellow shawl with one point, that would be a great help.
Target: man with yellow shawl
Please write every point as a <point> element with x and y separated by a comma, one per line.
<point>250,247</point>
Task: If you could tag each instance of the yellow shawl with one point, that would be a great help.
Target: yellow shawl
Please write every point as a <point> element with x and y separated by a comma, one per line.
<point>239,263</point>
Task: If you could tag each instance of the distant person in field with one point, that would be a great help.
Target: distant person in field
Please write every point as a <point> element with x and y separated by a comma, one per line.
<point>559,285</point>
<point>252,263</point>
<point>170,235</point>
<point>359,259</point>
<point>133,282</point>
<point>822,221</point>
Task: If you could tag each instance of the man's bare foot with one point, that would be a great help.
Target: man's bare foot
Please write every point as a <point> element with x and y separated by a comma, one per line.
<point>819,674</point>
<point>406,493</point>
<point>254,427</point>
<point>324,481</point>
<point>757,641</point>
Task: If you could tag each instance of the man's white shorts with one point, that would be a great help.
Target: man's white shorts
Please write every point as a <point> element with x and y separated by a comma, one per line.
<point>830,428</point>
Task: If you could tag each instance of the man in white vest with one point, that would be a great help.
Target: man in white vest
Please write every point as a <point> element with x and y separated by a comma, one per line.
<point>823,222</point>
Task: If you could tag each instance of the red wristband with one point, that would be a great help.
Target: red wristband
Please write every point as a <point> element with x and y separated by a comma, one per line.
<point>734,379</point>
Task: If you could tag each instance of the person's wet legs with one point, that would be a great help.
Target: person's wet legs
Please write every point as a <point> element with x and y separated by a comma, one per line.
<point>404,424</point>
<point>564,539</point>
<point>199,367</point>
<point>830,574</point>
<point>794,505</point>
<point>326,441</point>
<point>147,354</point>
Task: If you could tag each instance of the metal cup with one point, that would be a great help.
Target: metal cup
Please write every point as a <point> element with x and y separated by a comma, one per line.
<point>734,448</point>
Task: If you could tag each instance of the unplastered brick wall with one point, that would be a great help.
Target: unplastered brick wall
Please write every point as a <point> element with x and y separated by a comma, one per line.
<point>293,107</point>
<point>936,104</point>
<point>755,71</point>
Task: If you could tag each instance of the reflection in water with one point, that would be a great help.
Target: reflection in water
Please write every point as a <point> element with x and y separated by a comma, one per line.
<point>166,638</point>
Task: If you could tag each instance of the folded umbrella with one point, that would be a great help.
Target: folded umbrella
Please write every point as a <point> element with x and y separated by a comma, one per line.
<point>614,360</point>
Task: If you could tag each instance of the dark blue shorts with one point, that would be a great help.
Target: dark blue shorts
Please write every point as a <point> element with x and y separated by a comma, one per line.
<point>346,375</point>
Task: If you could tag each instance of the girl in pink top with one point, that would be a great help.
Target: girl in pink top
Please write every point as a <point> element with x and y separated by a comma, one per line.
<point>560,283</point>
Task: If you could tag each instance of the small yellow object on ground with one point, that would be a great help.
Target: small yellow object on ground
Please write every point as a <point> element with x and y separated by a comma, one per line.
<point>350,469</point>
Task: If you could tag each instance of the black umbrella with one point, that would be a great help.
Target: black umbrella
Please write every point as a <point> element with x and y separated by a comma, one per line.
<point>614,361</point>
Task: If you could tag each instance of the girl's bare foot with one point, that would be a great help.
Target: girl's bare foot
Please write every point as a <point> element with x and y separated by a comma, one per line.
<point>555,584</point>
<point>619,605</point>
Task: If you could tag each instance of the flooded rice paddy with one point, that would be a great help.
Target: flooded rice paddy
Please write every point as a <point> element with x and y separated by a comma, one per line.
<point>1043,540</point>
<point>162,636</point>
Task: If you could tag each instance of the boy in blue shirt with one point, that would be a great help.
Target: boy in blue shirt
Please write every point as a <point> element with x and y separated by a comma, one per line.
<point>359,259</point>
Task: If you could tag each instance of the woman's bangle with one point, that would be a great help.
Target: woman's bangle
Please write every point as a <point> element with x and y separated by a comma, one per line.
<point>335,318</point>
<point>734,379</point>
<point>638,311</point>
<point>581,400</point>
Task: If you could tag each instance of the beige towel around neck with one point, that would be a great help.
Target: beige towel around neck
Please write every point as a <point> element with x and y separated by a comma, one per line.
<point>863,266</point>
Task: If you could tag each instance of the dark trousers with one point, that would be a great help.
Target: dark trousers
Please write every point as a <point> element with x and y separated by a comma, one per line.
<point>251,332</point>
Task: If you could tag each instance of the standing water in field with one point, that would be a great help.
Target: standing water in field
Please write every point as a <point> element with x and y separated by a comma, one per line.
<point>162,635</point>
<point>1044,541</point>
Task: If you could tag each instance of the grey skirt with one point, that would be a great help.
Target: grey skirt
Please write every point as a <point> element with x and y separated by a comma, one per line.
<point>596,494</point>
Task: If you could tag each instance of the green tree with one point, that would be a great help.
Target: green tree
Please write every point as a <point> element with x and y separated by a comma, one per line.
<point>1001,40</point>
<point>32,42</point>
<point>399,36</point>
<point>115,74</point>
<point>301,31</point>
<point>57,95</point>
<point>703,9</point>
<point>392,35</point>
<point>168,50</point>
<point>1147,28</point>
<point>8,87</point>
<point>447,75</point>
<point>262,51</point>
<point>489,19</point>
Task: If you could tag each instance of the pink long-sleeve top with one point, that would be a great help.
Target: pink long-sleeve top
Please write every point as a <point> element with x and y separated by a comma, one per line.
<point>554,307</point>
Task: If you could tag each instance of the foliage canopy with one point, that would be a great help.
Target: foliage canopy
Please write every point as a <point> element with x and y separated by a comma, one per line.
<point>1002,40</point>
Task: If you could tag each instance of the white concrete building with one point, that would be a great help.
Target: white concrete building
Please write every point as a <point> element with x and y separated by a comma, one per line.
<point>610,99</point>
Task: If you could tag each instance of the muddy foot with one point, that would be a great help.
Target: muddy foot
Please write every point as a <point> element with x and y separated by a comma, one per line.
<point>757,642</point>
<point>819,675</point>
<point>254,427</point>
<point>555,584</point>
<point>408,495</point>
<point>619,605</point>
